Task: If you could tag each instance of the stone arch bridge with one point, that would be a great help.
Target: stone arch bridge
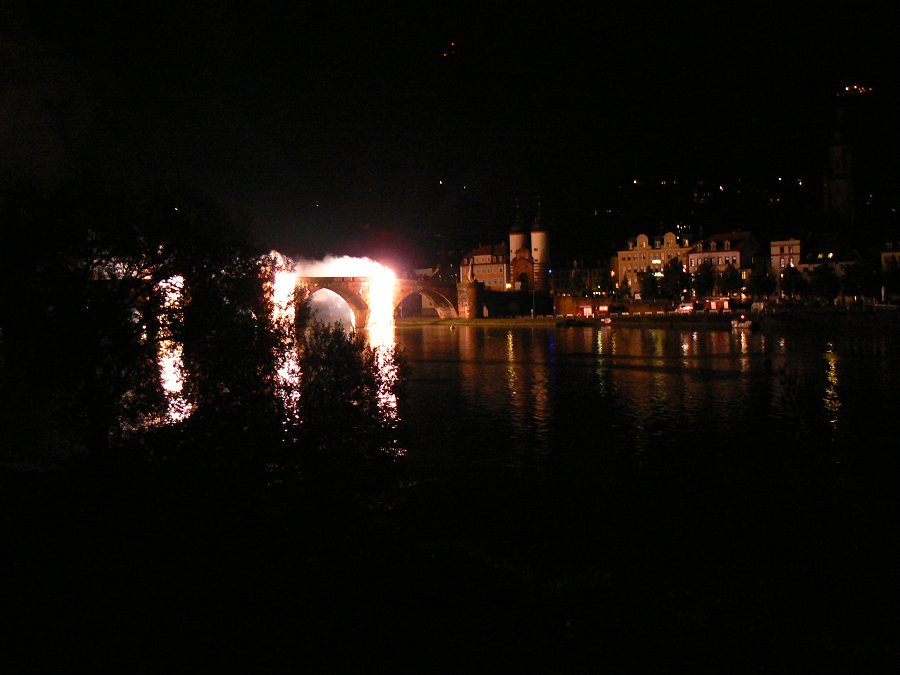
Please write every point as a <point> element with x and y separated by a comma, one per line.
<point>355,292</point>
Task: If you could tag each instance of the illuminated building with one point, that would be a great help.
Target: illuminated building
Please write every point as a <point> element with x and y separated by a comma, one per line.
<point>522,264</point>
<point>641,256</point>
<point>721,250</point>
<point>784,253</point>
<point>488,264</point>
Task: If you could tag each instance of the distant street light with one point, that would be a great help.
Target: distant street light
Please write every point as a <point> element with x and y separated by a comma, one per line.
<point>532,299</point>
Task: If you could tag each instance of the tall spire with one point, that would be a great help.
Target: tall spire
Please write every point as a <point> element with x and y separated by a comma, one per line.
<point>538,224</point>
<point>518,225</point>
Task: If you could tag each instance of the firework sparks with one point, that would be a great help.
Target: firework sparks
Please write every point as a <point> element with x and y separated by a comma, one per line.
<point>170,354</point>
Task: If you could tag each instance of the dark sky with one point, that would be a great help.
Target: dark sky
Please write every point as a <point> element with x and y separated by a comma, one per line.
<point>345,129</point>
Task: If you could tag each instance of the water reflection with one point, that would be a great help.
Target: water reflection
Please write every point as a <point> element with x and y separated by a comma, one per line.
<point>515,390</point>
<point>743,338</point>
<point>383,343</point>
<point>507,376</point>
<point>831,400</point>
<point>541,374</point>
<point>556,391</point>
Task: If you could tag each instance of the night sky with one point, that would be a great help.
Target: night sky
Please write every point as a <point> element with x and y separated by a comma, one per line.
<point>375,129</point>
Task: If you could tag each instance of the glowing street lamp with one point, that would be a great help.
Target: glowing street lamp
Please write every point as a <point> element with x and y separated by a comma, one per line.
<point>532,299</point>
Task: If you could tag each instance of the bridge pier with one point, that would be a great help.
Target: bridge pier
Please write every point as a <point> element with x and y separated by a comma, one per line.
<point>468,295</point>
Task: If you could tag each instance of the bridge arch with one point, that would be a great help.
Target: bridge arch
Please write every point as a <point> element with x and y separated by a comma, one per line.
<point>327,306</point>
<point>355,292</point>
<point>445,307</point>
<point>354,300</point>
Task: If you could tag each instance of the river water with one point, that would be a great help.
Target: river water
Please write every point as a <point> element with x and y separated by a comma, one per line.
<point>520,396</point>
<point>571,500</point>
<point>665,493</point>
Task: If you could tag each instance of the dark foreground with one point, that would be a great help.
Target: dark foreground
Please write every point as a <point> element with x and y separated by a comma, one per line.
<point>697,565</point>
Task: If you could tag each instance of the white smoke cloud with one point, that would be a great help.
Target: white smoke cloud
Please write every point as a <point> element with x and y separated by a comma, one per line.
<point>339,266</point>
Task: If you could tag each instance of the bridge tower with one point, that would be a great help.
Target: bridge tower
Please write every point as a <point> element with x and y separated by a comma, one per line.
<point>468,296</point>
<point>517,237</point>
<point>540,253</point>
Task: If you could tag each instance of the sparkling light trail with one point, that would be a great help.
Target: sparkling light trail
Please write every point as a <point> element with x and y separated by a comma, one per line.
<point>283,286</point>
<point>170,352</point>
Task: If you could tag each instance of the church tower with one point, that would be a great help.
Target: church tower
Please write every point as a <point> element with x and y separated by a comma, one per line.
<point>838,191</point>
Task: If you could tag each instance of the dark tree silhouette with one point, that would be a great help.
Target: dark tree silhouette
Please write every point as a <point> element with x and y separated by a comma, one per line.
<point>824,282</point>
<point>762,282</point>
<point>862,278</point>
<point>675,280</point>
<point>348,397</point>
<point>729,281</point>
<point>649,283</point>
<point>793,282</point>
<point>704,280</point>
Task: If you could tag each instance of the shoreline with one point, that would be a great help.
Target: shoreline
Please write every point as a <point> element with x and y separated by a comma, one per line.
<point>799,319</point>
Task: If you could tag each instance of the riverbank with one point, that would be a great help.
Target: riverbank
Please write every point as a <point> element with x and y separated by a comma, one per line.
<point>788,318</point>
<point>487,322</point>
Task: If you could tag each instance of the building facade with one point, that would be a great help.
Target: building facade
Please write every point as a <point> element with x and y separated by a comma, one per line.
<point>721,250</point>
<point>785,253</point>
<point>646,255</point>
<point>488,264</point>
